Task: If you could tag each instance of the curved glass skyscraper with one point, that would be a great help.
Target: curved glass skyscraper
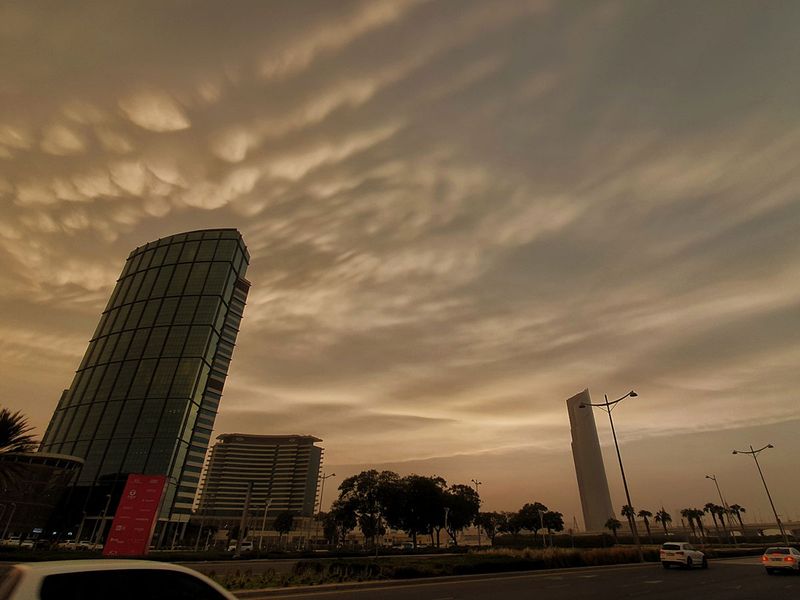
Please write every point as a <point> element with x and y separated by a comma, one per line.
<point>145,395</point>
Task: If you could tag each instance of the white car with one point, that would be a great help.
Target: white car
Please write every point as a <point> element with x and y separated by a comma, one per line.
<point>119,579</point>
<point>682,554</point>
<point>246,546</point>
<point>781,558</point>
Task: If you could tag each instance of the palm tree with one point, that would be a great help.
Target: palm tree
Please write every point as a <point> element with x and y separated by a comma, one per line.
<point>688,514</point>
<point>738,510</point>
<point>613,524</point>
<point>628,512</point>
<point>15,432</point>
<point>721,512</point>
<point>711,508</point>
<point>15,436</point>
<point>645,516</point>
<point>697,513</point>
<point>664,518</point>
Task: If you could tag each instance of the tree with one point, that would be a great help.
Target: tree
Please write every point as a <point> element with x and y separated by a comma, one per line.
<point>553,521</point>
<point>688,514</point>
<point>462,503</point>
<point>530,516</point>
<point>415,504</point>
<point>664,518</point>
<point>15,436</point>
<point>367,497</point>
<point>509,522</point>
<point>628,512</point>
<point>491,523</point>
<point>694,515</point>
<point>722,512</point>
<point>645,516</point>
<point>340,521</point>
<point>738,510</point>
<point>711,509</point>
<point>698,515</point>
<point>613,524</point>
<point>283,523</point>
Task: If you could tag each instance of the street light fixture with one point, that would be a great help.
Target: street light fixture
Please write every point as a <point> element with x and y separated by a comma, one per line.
<point>477,483</point>
<point>608,407</point>
<point>754,453</point>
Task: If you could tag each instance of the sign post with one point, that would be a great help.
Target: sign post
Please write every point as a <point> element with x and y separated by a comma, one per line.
<point>135,518</point>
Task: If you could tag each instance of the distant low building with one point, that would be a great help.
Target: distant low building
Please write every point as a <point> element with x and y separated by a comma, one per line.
<point>284,471</point>
<point>38,481</point>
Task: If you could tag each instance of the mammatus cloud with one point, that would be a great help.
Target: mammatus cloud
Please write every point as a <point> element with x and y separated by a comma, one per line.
<point>459,215</point>
<point>154,110</point>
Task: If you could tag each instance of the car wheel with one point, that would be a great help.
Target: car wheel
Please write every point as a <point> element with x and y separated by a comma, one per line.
<point>689,562</point>
<point>705,563</point>
<point>665,565</point>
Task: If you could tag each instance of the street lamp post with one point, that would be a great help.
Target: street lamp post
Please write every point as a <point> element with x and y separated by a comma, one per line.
<point>98,533</point>
<point>321,493</point>
<point>754,453</point>
<point>243,519</point>
<point>608,407</point>
<point>724,506</point>
<point>264,523</point>
<point>446,512</point>
<point>10,516</point>
<point>477,483</point>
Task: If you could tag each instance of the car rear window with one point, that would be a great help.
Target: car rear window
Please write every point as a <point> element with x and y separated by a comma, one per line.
<point>777,551</point>
<point>671,547</point>
<point>127,584</point>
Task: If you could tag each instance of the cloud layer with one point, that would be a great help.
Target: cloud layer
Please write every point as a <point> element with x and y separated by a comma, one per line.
<point>459,213</point>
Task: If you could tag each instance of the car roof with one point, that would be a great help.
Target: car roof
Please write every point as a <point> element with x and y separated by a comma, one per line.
<point>666,543</point>
<point>54,567</point>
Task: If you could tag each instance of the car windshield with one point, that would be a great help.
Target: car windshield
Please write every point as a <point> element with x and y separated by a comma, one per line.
<point>777,551</point>
<point>671,547</point>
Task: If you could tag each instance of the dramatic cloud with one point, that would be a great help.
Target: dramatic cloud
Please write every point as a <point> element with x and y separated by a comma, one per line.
<point>459,215</point>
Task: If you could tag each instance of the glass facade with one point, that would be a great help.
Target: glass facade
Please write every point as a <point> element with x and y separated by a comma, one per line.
<point>146,393</point>
<point>284,471</point>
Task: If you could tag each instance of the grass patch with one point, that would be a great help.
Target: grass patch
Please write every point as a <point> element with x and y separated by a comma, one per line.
<point>316,572</point>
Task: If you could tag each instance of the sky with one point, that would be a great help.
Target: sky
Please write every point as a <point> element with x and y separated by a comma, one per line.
<point>460,213</point>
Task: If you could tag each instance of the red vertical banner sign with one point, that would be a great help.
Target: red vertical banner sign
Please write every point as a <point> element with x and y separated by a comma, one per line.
<point>136,516</point>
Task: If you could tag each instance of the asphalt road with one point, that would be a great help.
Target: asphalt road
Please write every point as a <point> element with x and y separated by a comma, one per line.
<point>734,579</point>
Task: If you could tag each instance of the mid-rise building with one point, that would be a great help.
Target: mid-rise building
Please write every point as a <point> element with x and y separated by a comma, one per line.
<point>589,468</point>
<point>146,393</point>
<point>284,471</point>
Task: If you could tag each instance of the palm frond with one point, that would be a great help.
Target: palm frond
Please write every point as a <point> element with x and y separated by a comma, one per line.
<point>15,432</point>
